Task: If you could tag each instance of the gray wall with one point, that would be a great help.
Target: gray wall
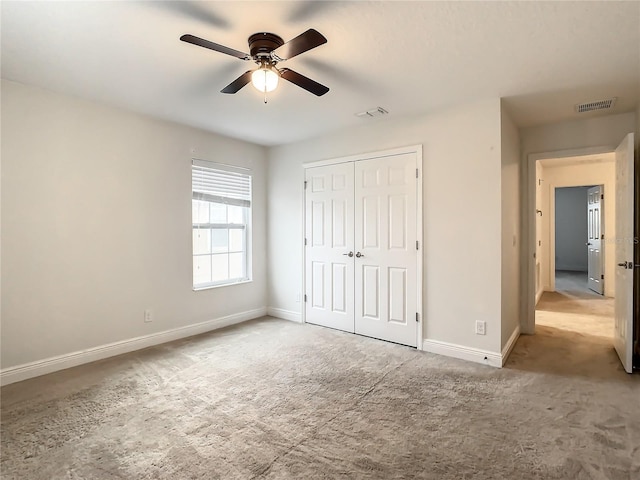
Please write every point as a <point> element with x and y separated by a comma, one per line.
<point>571,228</point>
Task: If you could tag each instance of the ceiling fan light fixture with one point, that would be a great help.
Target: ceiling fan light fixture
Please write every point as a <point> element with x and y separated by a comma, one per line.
<point>265,79</point>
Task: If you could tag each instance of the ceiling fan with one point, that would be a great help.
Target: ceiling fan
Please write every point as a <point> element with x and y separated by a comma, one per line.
<point>267,50</point>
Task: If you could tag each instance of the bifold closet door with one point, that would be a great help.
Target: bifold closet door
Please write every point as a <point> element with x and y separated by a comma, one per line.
<point>329,269</point>
<point>385,244</point>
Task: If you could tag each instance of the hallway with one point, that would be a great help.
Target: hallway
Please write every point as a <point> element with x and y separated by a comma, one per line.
<point>574,330</point>
<point>575,308</point>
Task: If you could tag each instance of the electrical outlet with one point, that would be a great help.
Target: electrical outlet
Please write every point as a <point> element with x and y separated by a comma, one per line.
<point>481,327</point>
<point>148,315</point>
<point>298,297</point>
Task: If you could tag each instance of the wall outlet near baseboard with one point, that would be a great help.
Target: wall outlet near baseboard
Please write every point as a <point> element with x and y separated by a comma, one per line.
<point>148,315</point>
<point>481,327</point>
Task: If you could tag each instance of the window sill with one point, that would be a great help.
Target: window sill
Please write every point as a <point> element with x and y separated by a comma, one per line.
<point>209,287</point>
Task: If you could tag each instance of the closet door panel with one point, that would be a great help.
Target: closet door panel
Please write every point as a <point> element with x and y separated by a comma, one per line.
<point>329,270</point>
<point>385,244</point>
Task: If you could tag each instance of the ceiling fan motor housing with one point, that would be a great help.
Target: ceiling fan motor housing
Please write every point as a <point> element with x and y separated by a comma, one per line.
<point>262,44</point>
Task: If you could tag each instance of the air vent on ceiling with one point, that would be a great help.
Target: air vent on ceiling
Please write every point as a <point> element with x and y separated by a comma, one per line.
<point>599,105</point>
<point>374,112</point>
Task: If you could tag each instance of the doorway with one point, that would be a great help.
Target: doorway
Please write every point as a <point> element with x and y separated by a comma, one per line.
<point>577,216</point>
<point>564,235</point>
<point>570,317</point>
<point>618,263</point>
<point>571,233</point>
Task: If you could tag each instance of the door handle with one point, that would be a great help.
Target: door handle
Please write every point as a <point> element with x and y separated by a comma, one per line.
<point>359,255</point>
<point>625,264</point>
<point>350,254</point>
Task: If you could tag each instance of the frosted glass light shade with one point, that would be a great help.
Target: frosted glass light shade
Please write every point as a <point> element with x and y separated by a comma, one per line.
<point>264,79</point>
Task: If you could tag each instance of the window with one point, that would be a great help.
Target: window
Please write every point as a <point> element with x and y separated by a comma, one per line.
<point>221,214</point>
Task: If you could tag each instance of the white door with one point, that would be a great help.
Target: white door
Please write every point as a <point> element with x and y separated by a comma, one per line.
<point>594,240</point>
<point>385,244</point>
<point>623,334</point>
<point>329,240</point>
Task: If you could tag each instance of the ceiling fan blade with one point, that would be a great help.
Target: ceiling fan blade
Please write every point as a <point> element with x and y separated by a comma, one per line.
<point>303,82</point>
<point>238,83</point>
<point>302,43</point>
<point>200,42</point>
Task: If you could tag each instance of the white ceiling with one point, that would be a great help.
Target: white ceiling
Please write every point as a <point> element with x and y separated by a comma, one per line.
<point>408,57</point>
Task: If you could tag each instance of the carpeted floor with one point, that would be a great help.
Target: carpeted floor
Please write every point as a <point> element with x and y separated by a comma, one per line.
<point>274,399</point>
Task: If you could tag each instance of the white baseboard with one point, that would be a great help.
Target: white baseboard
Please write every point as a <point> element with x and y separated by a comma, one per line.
<point>284,314</point>
<point>506,351</point>
<point>464,353</point>
<point>61,362</point>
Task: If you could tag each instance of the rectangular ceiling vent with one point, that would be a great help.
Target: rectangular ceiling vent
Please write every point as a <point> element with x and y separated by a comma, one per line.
<point>374,112</point>
<point>599,105</point>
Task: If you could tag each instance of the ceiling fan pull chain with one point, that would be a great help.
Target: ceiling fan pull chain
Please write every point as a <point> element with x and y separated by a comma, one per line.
<point>266,88</point>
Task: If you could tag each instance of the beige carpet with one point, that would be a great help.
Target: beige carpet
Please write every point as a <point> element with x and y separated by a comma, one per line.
<point>274,399</point>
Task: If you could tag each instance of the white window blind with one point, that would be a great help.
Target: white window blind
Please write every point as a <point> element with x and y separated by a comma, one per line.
<point>213,184</point>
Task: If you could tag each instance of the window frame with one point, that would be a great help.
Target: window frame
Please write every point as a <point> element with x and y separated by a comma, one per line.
<point>245,203</point>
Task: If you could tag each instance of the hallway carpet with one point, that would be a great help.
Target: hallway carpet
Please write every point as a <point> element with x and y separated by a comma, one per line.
<point>270,399</point>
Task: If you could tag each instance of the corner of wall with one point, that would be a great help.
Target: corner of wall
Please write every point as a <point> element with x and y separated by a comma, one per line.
<point>511,227</point>
<point>510,344</point>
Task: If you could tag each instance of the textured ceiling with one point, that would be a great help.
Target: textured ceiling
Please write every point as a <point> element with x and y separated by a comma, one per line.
<point>408,57</point>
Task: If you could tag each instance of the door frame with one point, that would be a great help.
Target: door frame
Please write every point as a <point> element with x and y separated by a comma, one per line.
<point>552,227</point>
<point>417,149</point>
<point>529,225</point>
